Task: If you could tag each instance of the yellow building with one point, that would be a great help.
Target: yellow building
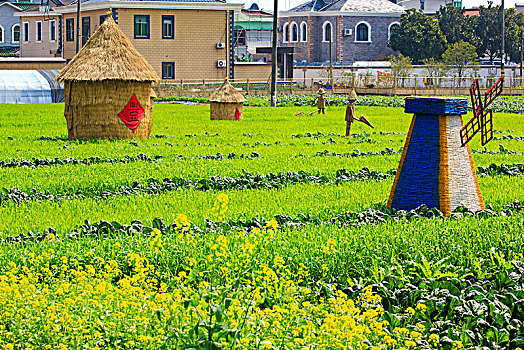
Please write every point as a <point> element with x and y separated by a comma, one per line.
<point>180,39</point>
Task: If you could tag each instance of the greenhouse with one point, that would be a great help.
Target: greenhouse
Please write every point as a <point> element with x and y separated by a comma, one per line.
<point>30,86</point>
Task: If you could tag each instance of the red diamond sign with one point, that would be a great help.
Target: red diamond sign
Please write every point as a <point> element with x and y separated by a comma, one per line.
<point>132,113</point>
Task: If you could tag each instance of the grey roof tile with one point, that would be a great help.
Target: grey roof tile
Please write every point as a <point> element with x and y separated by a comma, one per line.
<point>373,6</point>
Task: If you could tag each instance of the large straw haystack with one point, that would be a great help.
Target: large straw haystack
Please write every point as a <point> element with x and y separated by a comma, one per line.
<point>99,85</point>
<point>227,103</point>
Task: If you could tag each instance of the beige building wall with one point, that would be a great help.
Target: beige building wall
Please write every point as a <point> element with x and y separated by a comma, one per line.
<point>33,48</point>
<point>253,71</point>
<point>193,49</point>
<point>29,65</point>
<point>69,47</point>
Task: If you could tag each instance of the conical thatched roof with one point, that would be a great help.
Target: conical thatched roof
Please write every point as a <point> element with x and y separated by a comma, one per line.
<point>227,93</point>
<point>108,55</point>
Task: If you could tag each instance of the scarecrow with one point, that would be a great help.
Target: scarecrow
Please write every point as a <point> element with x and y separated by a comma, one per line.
<point>321,102</point>
<point>350,113</point>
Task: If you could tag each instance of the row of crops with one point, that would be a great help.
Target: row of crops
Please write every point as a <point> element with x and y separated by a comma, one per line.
<point>270,233</point>
<point>501,105</point>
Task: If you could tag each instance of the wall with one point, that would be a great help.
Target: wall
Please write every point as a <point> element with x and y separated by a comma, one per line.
<point>44,48</point>
<point>193,50</point>
<point>344,48</point>
<point>7,20</point>
<point>430,6</point>
<point>15,63</point>
<point>253,71</point>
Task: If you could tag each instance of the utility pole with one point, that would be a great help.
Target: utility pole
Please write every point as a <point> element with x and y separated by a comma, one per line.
<point>274,56</point>
<point>331,58</point>
<point>78,26</point>
<point>521,51</point>
<point>502,56</point>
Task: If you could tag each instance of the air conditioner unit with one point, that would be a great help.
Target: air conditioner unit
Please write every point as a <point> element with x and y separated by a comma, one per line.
<point>221,63</point>
<point>348,31</point>
<point>221,45</point>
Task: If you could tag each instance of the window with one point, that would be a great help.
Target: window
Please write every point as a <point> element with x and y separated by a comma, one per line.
<point>26,31</point>
<point>52,30</point>
<point>285,33</point>
<point>86,29</point>
<point>422,4</point>
<point>457,3</point>
<point>70,29</point>
<point>362,32</point>
<point>294,32</point>
<point>240,36</point>
<point>168,27</point>
<point>393,26</point>
<point>1,34</point>
<point>102,19</point>
<point>38,31</point>
<point>168,70</point>
<point>303,32</point>
<point>327,31</point>
<point>15,33</point>
<point>141,27</point>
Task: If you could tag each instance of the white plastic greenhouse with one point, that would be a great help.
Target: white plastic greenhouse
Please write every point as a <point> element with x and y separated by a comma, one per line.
<point>30,86</point>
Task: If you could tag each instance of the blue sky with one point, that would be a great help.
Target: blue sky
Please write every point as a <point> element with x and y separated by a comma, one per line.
<point>286,4</point>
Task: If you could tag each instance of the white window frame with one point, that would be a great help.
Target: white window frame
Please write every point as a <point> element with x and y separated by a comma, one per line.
<point>389,28</point>
<point>36,32</point>
<point>293,25</point>
<point>13,33</point>
<point>52,21</point>
<point>369,32</point>
<point>2,37</point>
<point>25,33</point>
<point>324,31</point>
<point>303,29</point>
<point>285,32</point>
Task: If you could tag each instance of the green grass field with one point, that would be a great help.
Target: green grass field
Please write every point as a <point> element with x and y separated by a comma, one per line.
<point>312,264</point>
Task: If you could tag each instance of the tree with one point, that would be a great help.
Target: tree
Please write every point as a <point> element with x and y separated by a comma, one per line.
<point>456,26</point>
<point>488,29</point>
<point>459,56</point>
<point>418,36</point>
<point>400,67</point>
<point>514,23</point>
<point>489,32</point>
<point>435,70</point>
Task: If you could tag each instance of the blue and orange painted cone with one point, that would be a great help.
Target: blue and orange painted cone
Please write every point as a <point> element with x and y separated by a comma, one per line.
<point>435,169</point>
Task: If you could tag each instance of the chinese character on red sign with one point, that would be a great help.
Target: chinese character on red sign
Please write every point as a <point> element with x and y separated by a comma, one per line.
<point>132,113</point>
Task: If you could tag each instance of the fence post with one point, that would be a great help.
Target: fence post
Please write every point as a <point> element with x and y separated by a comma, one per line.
<point>415,85</point>
<point>312,87</point>
<point>395,85</point>
<point>291,86</point>
<point>247,86</point>
<point>454,85</point>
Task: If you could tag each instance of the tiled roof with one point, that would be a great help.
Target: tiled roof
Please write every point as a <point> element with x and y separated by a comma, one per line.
<point>371,6</point>
<point>25,5</point>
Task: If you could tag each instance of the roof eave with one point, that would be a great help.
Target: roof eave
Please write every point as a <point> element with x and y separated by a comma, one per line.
<point>12,5</point>
<point>173,5</point>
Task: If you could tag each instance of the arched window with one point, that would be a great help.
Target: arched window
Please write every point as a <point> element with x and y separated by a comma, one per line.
<point>1,34</point>
<point>303,32</point>
<point>285,33</point>
<point>362,31</point>
<point>294,32</point>
<point>391,26</point>
<point>15,33</point>
<point>327,30</point>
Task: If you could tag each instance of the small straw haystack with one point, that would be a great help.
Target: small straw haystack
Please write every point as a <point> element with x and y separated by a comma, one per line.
<point>227,103</point>
<point>100,83</point>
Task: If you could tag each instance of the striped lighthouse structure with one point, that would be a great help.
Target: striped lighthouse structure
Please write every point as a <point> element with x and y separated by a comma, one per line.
<point>435,169</point>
